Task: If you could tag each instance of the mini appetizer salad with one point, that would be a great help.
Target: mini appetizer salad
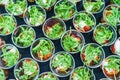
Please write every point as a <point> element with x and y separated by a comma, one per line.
<point>92,55</point>
<point>94,6</point>
<point>112,15</point>
<point>26,69</point>
<point>9,56</point>
<point>82,73</point>
<point>46,3</point>
<point>7,24</point>
<point>117,2</point>
<point>84,21</point>
<point>16,7</point>
<point>47,76</point>
<point>23,36</point>
<point>62,64</point>
<point>111,67</point>
<point>42,49</point>
<point>65,9</point>
<point>35,15</point>
<point>104,34</point>
<point>54,28</point>
<point>72,41</point>
<point>2,43</point>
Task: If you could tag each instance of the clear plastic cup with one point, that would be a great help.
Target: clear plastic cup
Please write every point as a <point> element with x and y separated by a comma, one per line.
<point>49,27</point>
<point>40,56</point>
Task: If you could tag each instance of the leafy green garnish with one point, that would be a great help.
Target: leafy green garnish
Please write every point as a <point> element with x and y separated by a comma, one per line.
<point>7,24</point>
<point>2,75</point>
<point>25,37</point>
<point>55,31</point>
<point>93,6</point>
<point>37,15</point>
<point>65,9</point>
<point>16,8</point>
<point>9,56</point>
<point>45,3</point>
<point>117,2</point>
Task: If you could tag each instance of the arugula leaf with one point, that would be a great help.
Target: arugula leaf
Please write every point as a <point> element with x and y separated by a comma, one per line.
<point>2,74</point>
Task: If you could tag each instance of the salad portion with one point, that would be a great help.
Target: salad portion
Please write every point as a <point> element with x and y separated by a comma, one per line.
<point>82,73</point>
<point>7,24</point>
<point>26,69</point>
<point>23,36</point>
<point>16,7</point>
<point>42,49</point>
<point>84,22</point>
<point>54,28</point>
<point>35,15</point>
<point>104,34</point>
<point>92,55</point>
<point>111,67</point>
<point>62,64</point>
<point>9,56</point>
<point>72,41</point>
<point>64,9</point>
<point>94,6</point>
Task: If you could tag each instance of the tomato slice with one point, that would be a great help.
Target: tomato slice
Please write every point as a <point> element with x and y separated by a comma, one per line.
<point>87,28</point>
<point>112,48</point>
<point>47,56</point>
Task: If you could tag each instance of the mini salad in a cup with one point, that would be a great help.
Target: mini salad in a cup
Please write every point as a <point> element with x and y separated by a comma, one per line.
<point>7,24</point>
<point>9,56</point>
<point>42,49</point>
<point>62,64</point>
<point>82,73</point>
<point>64,9</point>
<point>94,6</point>
<point>54,28</point>
<point>23,36</point>
<point>111,67</point>
<point>26,69</point>
<point>84,22</point>
<point>72,41</point>
<point>35,15</point>
<point>104,34</point>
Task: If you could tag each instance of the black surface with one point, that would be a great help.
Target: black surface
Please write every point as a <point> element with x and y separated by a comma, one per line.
<point>45,66</point>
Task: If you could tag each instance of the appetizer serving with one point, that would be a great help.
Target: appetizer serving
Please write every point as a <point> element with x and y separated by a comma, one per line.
<point>35,15</point>
<point>111,67</point>
<point>82,73</point>
<point>42,49</point>
<point>53,28</point>
<point>104,34</point>
<point>94,6</point>
<point>111,15</point>
<point>47,4</point>
<point>47,76</point>
<point>26,69</point>
<point>16,7</point>
<point>72,41</point>
<point>64,9</point>
<point>2,43</point>
<point>7,24</point>
<point>62,64</point>
<point>9,56</point>
<point>23,36</point>
<point>92,55</point>
<point>84,22</point>
<point>3,74</point>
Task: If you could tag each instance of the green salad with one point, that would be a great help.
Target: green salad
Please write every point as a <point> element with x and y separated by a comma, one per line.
<point>26,69</point>
<point>47,76</point>
<point>16,7</point>
<point>10,56</point>
<point>92,55</point>
<point>82,73</point>
<point>2,74</point>
<point>23,36</point>
<point>42,49</point>
<point>7,24</point>
<point>93,6</point>
<point>46,3</point>
<point>65,10</point>
<point>117,2</point>
<point>103,34</point>
<point>36,15</point>
<point>84,22</point>
<point>62,63</point>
